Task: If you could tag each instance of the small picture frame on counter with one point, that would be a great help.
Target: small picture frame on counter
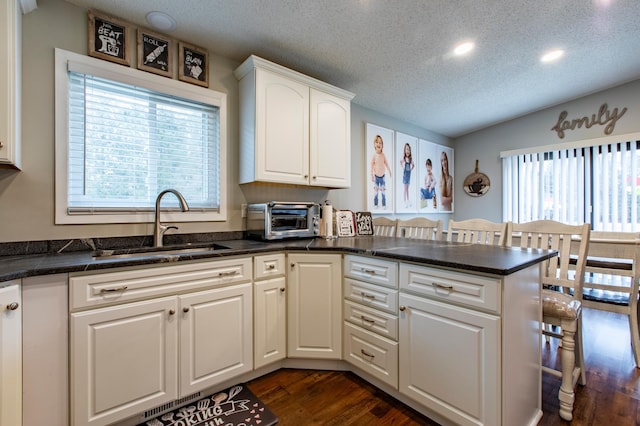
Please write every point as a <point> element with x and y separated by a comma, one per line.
<point>155,53</point>
<point>193,64</point>
<point>109,38</point>
<point>345,223</point>
<point>364,223</point>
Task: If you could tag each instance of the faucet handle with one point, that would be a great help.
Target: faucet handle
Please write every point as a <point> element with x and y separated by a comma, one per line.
<point>165,228</point>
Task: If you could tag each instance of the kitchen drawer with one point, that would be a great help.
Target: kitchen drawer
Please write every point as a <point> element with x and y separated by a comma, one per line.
<point>268,266</point>
<point>371,295</point>
<point>96,289</point>
<point>371,353</point>
<point>376,271</point>
<point>462,289</point>
<point>371,319</point>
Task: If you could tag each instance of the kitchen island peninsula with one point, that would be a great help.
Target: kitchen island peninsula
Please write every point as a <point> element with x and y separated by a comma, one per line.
<point>451,329</point>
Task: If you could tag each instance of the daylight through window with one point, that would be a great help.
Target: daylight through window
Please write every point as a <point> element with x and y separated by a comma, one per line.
<point>598,183</point>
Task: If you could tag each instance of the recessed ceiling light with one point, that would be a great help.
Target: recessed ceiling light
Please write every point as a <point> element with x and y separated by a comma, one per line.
<point>161,21</point>
<point>463,48</point>
<point>552,55</point>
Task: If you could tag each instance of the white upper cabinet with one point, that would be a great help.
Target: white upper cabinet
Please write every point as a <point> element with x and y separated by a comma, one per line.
<point>10,60</point>
<point>293,129</point>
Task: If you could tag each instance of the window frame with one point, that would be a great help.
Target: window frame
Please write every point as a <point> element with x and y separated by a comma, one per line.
<point>149,81</point>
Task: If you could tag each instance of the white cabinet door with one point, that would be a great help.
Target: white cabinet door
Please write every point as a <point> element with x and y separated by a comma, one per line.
<point>124,360</point>
<point>10,59</point>
<point>10,355</point>
<point>215,336</point>
<point>330,140</point>
<point>270,321</point>
<point>450,360</point>
<point>282,129</point>
<point>314,306</point>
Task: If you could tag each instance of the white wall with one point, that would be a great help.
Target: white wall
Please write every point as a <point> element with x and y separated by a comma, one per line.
<point>530,131</point>
<point>27,197</point>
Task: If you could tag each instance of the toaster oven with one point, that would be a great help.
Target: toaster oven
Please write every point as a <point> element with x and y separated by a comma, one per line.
<point>279,220</point>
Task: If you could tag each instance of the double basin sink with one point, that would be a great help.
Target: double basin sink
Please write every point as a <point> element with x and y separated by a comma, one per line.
<point>167,251</point>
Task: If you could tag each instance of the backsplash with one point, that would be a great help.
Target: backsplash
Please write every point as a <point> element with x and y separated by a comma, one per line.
<point>22,248</point>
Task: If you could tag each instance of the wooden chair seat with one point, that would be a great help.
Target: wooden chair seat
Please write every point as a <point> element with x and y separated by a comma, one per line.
<point>557,304</point>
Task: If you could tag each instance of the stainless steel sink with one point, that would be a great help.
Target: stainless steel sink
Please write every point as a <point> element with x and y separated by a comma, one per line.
<point>156,252</point>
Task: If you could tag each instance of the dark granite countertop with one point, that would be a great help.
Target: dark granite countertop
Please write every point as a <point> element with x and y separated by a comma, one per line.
<point>466,257</point>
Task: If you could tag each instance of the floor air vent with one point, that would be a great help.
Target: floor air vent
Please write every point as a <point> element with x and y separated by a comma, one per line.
<point>169,406</point>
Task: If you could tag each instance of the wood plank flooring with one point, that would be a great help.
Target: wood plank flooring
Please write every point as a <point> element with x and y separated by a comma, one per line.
<point>611,396</point>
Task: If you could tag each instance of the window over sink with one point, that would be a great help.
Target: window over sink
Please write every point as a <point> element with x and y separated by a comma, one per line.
<point>124,135</point>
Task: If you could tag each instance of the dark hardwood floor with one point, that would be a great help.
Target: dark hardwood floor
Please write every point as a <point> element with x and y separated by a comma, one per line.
<point>611,396</point>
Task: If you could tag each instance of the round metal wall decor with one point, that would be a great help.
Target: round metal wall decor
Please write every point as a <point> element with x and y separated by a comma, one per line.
<point>476,184</point>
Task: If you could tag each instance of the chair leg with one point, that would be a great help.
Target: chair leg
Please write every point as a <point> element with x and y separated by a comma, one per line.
<point>633,331</point>
<point>566,395</point>
<point>582,379</point>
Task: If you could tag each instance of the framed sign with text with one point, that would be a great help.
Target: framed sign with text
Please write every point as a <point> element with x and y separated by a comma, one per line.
<point>108,38</point>
<point>155,53</point>
<point>193,64</point>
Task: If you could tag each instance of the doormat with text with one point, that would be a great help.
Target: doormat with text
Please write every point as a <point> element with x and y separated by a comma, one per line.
<point>236,406</point>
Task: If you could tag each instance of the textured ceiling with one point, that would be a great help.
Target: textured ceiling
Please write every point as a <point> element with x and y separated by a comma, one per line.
<point>394,54</point>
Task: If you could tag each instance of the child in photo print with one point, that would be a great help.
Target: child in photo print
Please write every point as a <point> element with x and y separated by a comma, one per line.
<point>379,168</point>
<point>407,166</point>
<point>428,192</point>
<point>428,173</point>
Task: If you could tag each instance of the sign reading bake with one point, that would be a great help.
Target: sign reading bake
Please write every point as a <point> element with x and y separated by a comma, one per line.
<point>604,117</point>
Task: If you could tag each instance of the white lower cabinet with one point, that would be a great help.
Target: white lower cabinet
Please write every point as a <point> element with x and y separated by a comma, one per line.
<point>469,344</point>
<point>314,306</point>
<point>450,360</point>
<point>269,310</point>
<point>131,357</point>
<point>10,354</point>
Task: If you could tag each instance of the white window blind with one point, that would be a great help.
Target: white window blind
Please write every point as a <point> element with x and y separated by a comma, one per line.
<point>597,183</point>
<point>127,143</point>
<point>123,136</point>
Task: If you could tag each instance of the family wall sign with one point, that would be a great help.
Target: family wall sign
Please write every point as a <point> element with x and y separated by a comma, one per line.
<point>604,117</point>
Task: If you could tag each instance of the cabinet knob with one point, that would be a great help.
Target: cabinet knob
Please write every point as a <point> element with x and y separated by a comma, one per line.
<point>402,308</point>
<point>172,311</point>
<point>1,144</point>
<point>306,176</point>
<point>314,177</point>
<point>185,309</point>
<point>282,289</point>
<point>13,305</point>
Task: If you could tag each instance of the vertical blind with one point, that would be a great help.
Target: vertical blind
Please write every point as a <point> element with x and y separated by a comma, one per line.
<point>127,143</point>
<point>599,184</point>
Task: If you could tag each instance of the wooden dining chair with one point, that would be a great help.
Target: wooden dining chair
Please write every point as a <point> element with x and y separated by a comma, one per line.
<point>477,231</point>
<point>562,278</point>
<point>384,226</point>
<point>612,277</point>
<point>419,228</point>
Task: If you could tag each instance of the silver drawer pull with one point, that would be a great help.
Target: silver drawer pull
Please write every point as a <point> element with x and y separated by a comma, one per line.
<point>227,274</point>
<point>367,354</point>
<point>368,296</point>
<point>367,320</point>
<point>112,290</point>
<point>368,271</point>
<point>13,306</point>
<point>442,286</point>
